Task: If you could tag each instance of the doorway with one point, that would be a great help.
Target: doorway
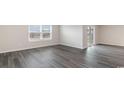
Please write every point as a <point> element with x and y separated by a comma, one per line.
<point>91,35</point>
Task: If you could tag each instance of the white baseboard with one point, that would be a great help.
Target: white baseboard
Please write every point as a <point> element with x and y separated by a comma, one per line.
<point>69,45</point>
<point>20,49</point>
<point>110,44</point>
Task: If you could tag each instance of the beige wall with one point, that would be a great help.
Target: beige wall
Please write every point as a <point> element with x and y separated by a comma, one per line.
<point>112,35</point>
<point>84,38</point>
<point>14,38</point>
<point>97,34</point>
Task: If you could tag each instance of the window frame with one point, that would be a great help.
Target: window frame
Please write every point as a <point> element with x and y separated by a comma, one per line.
<point>41,34</point>
<point>46,32</point>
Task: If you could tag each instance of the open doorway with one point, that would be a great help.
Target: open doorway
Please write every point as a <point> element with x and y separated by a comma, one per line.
<point>91,35</point>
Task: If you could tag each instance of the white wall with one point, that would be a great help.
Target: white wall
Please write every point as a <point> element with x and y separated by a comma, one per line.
<point>71,35</point>
<point>85,37</point>
<point>112,35</point>
<point>14,38</point>
<point>97,34</point>
<point>76,35</point>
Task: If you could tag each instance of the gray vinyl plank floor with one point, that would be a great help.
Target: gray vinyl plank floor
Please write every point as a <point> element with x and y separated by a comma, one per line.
<point>59,56</point>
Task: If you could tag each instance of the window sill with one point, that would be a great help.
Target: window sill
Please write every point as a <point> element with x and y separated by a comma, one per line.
<point>37,40</point>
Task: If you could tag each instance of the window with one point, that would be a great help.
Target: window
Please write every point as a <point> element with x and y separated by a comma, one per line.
<point>46,31</point>
<point>40,32</point>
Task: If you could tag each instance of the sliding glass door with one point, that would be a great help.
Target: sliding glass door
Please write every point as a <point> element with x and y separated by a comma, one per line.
<point>91,35</point>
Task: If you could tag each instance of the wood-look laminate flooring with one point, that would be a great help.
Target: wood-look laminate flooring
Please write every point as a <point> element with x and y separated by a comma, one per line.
<point>99,56</point>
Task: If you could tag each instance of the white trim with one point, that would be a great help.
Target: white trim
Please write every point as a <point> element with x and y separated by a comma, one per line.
<point>14,50</point>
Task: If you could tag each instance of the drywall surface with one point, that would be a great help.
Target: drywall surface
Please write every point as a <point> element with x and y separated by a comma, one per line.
<point>112,35</point>
<point>71,35</point>
<point>15,37</point>
<point>96,34</point>
<point>85,36</point>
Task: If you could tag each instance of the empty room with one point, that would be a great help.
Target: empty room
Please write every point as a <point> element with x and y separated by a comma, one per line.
<point>61,46</point>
